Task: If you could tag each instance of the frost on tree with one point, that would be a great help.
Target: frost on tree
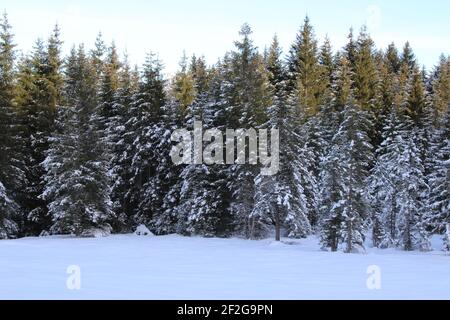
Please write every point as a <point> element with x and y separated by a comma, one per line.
<point>8,228</point>
<point>351,156</point>
<point>77,180</point>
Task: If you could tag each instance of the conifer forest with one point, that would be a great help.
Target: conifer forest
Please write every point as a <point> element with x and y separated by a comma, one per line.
<point>364,152</point>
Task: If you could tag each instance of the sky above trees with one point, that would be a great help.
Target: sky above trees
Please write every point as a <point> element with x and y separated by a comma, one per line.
<point>209,27</point>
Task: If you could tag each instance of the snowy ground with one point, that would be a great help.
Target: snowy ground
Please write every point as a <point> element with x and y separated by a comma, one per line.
<point>174,267</point>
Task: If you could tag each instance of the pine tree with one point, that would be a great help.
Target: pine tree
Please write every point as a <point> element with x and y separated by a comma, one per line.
<point>330,221</point>
<point>281,199</point>
<point>365,76</point>
<point>412,228</point>
<point>77,162</point>
<point>12,178</point>
<point>327,68</point>
<point>416,99</point>
<point>109,84</point>
<point>8,212</point>
<point>40,97</point>
<point>393,59</point>
<point>383,186</point>
<point>351,154</point>
<point>307,81</point>
<point>441,86</point>
<point>97,56</point>
<point>183,86</point>
<point>246,108</point>
<point>439,180</point>
<point>407,57</point>
<point>196,199</point>
<point>350,50</point>
<point>304,70</point>
<point>200,206</point>
<point>121,146</point>
<point>398,187</point>
<point>146,131</point>
<point>200,74</point>
<point>385,95</point>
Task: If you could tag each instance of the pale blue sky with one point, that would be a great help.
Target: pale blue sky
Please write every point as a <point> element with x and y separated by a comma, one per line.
<point>209,27</point>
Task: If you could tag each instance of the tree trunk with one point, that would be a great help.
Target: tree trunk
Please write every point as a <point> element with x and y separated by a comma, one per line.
<point>277,225</point>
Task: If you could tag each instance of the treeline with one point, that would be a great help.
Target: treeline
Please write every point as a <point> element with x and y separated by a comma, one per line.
<point>364,143</point>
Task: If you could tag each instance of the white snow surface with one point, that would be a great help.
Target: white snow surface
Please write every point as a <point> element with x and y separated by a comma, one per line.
<point>176,267</point>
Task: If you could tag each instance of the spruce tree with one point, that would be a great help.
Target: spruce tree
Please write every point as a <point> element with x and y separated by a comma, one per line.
<point>327,64</point>
<point>12,178</point>
<point>412,219</point>
<point>330,221</point>
<point>304,70</point>
<point>351,154</point>
<point>365,76</point>
<point>383,187</point>
<point>281,199</point>
<point>41,97</point>
<point>441,86</point>
<point>350,49</point>
<point>183,86</point>
<point>408,57</point>
<point>120,144</point>
<point>246,110</point>
<point>146,127</point>
<point>392,59</point>
<point>77,180</point>
<point>439,180</point>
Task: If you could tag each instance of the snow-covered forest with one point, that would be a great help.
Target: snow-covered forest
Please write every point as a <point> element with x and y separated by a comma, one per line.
<point>85,142</point>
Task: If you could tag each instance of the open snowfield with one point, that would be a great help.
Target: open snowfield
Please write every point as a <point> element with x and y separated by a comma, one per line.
<point>175,267</point>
